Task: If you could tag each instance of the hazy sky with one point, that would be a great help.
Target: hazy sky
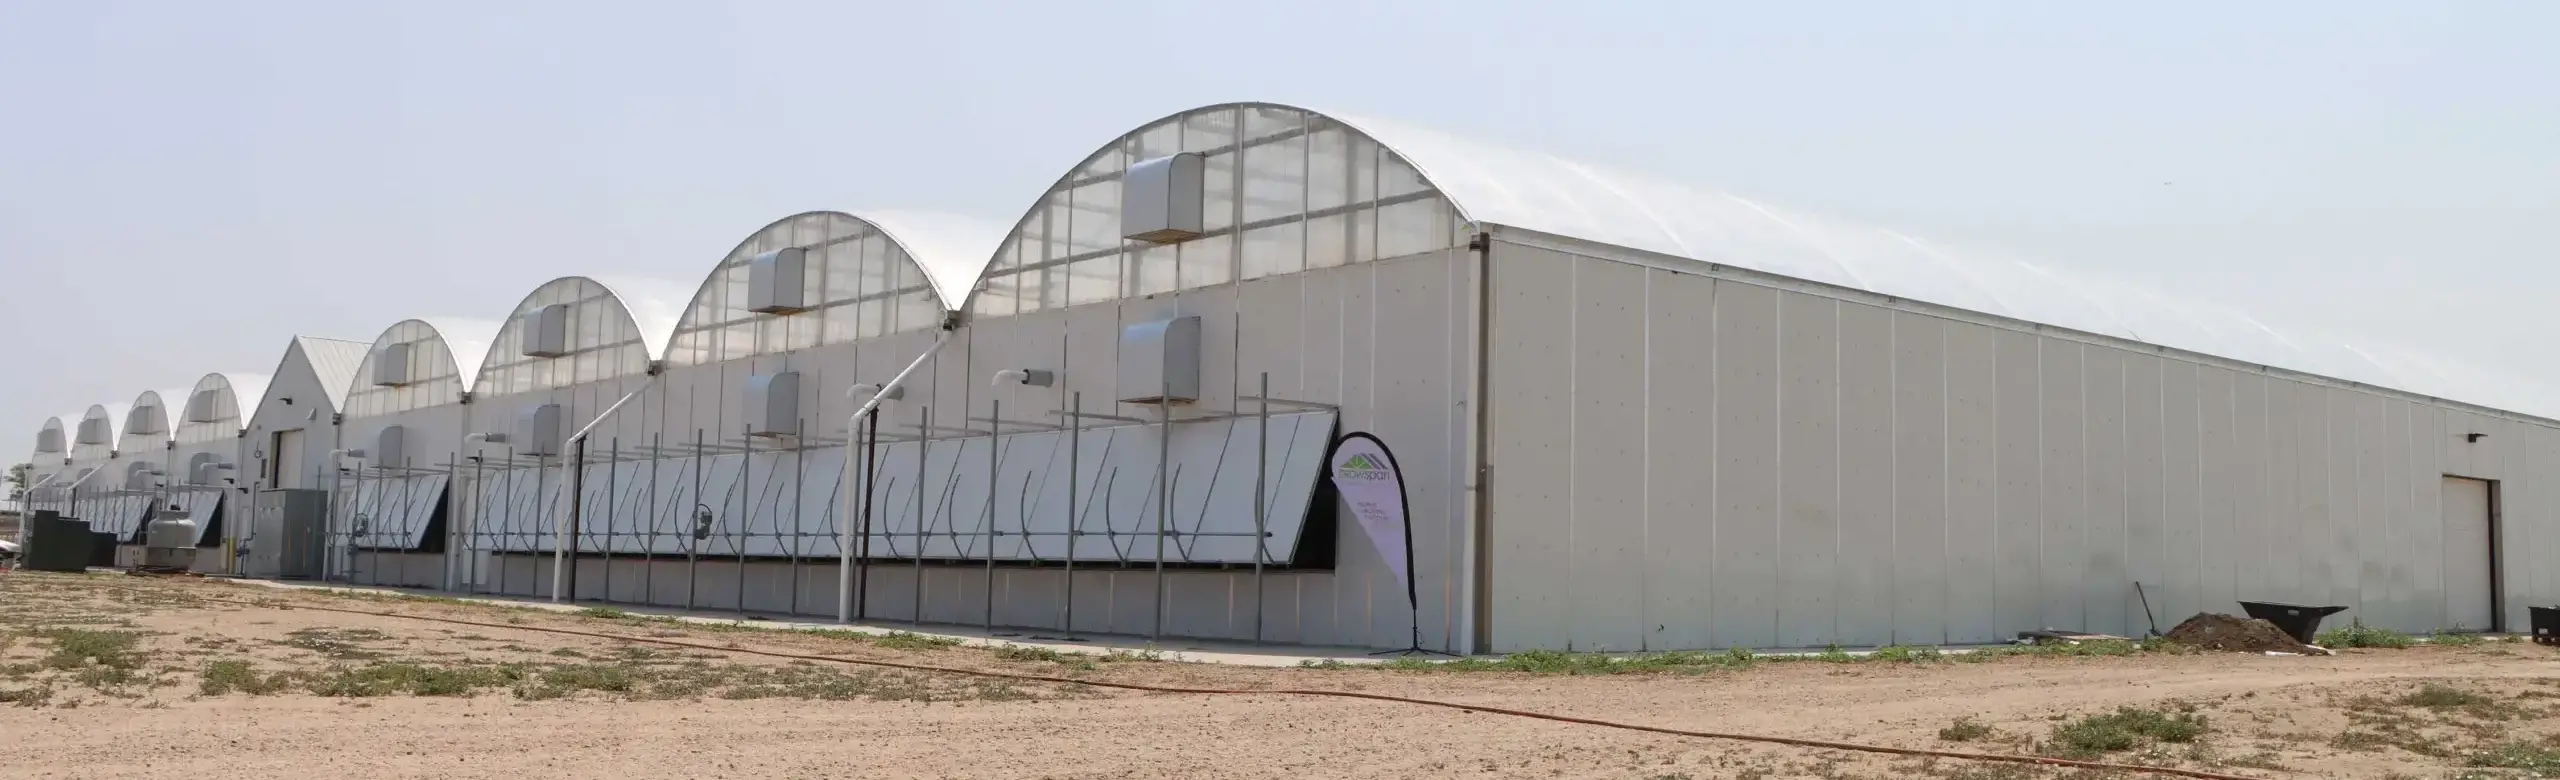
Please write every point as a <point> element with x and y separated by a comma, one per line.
<point>185,185</point>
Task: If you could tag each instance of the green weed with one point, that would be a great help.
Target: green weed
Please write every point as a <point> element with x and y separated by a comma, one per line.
<point>901,640</point>
<point>221,677</point>
<point>77,648</point>
<point>2357,634</point>
<point>2445,638</point>
<point>2124,729</point>
<point>2536,757</point>
<point>1965,730</point>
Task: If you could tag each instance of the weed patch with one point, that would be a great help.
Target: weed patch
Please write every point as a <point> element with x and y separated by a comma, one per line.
<point>31,696</point>
<point>1026,653</point>
<point>1553,662</point>
<point>78,648</point>
<point>385,679</point>
<point>222,677</point>
<point>2443,638</point>
<point>337,644</point>
<point>1965,730</point>
<point>2439,697</point>
<point>2536,757</point>
<point>2358,635</point>
<point>901,640</point>
<point>2125,729</point>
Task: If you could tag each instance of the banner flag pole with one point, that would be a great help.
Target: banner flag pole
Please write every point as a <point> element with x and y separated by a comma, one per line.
<point>1365,472</point>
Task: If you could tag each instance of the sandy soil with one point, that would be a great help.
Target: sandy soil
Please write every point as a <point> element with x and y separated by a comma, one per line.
<point>158,679</point>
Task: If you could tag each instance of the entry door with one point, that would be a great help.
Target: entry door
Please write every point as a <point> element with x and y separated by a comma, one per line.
<point>2470,558</point>
<point>288,460</point>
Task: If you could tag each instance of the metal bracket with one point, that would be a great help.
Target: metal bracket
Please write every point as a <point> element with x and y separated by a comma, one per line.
<point>1100,416</point>
<point>1291,403</point>
<point>1037,426</point>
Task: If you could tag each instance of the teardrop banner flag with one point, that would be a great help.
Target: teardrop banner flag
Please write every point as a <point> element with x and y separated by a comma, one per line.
<point>1365,472</point>
<point>1366,475</point>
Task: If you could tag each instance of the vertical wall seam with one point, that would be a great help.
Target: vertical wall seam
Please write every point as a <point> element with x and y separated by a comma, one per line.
<point>1998,483</point>
<point>1572,444</point>
<point>2124,464</point>
<point>1778,456</point>
<point>1644,416</point>
<point>1893,477</point>
<point>1946,489</point>
<point>1715,451</point>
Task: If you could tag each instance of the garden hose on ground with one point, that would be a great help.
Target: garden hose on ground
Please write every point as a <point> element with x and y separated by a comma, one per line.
<point>1041,678</point>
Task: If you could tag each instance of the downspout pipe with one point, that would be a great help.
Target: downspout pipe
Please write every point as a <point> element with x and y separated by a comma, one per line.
<point>844,514</point>
<point>564,577</point>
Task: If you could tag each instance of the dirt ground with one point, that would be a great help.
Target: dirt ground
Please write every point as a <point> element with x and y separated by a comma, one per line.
<point>108,676</point>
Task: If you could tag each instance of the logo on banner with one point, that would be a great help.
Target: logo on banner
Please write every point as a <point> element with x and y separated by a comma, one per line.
<point>1367,478</point>
<point>1366,467</point>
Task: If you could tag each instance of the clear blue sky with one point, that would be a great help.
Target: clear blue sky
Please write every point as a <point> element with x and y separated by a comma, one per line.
<point>183,185</point>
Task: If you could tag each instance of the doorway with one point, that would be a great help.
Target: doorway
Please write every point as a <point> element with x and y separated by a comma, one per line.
<point>284,461</point>
<point>2470,513</point>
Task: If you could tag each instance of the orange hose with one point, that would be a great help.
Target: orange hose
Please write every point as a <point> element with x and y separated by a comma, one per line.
<point>1797,742</point>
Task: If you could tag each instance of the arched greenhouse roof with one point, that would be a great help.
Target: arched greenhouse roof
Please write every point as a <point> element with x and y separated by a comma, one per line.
<point>1493,186</point>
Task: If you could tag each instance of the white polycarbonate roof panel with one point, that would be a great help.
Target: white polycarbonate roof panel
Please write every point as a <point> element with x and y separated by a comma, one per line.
<point>1495,185</point>
<point>654,305</point>
<point>170,412</point>
<point>335,361</point>
<point>951,249</point>
<point>112,413</point>
<point>468,339</point>
<point>247,389</point>
<point>70,430</point>
<point>54,423</point>
<point>119,411</point>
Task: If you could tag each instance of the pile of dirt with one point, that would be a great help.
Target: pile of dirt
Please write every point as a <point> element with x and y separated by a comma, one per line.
<point>2210,631</point>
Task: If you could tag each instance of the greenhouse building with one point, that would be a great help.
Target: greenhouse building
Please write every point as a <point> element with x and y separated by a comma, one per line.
<point>1627,415</point>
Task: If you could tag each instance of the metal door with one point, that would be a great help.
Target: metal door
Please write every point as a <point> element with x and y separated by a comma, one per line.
<point>2470,555</point>
<point>288,461</point>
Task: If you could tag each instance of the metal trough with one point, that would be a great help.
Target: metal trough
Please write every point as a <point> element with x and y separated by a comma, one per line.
<point>2300,622</point>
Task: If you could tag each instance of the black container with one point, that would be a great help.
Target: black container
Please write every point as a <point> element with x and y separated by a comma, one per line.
<point>102,549</point>
<point>55,543</point>
<point>2300,622</point>
<point>2546,625</point>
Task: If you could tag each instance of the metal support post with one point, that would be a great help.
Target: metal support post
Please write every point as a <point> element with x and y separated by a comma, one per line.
<point>1075,478</point>
<point>924,447</point>
<point>1164,502</point>
<point>995,444</point>
<point>747,500</point>
<point>1261,505</point>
